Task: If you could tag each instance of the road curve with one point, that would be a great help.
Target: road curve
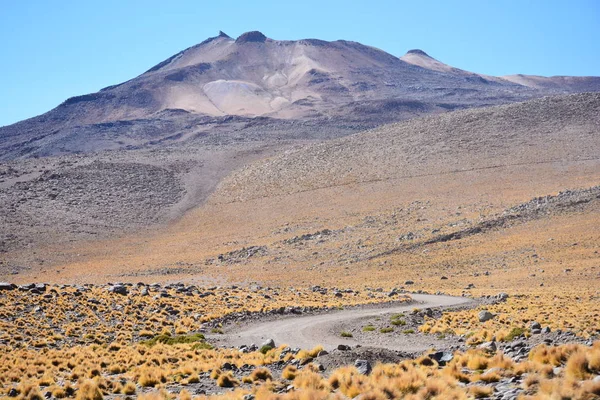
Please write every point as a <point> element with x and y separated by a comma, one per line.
<point>308,331</point>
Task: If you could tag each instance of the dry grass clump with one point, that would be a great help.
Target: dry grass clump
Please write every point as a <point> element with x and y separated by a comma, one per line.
<point>305,354</point>
<point>480,392</point>
<point>289,372</point>
<point>261,374</point>
<point>89,390</point>
<point>227,380</point>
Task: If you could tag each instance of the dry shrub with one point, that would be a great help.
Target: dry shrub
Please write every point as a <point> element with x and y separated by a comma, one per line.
<point>577,366</point>
<point>480,392</point>
<point>309,380</point>
<point>227,380</point>
<point>150,377</point>
<point>129,389</point>
<point>489,377</point>
<point>289,372</point>
<point>185,395</point>
<point>89,390</point>
<point>261,374</point>
<point>303,354</point>
<point>477,362</point>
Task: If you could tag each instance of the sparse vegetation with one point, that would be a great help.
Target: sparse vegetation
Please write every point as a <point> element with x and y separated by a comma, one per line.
<point>368,328</point>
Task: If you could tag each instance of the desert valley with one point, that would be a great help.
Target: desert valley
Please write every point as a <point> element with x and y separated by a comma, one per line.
<point>255,218</point>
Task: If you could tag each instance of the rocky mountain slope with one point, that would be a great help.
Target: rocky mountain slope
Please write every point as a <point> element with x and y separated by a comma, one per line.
<point>323,206</point>
<point>546,130</point>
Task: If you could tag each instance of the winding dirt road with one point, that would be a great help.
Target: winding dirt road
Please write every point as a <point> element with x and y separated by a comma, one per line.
<point>323,329</point>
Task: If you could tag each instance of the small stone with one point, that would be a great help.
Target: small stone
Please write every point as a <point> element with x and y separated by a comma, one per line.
<point>490,347</point>
<point>502,296</point>
<point>343,347</point>
<point>269,343</point>
<point>441,357</point>
<point>363,366</point>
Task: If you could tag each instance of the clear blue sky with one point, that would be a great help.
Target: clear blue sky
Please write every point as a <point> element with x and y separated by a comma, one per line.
<point>55,49</point>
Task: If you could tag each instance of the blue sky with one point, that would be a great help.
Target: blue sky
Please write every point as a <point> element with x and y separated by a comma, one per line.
<point>52,50</point>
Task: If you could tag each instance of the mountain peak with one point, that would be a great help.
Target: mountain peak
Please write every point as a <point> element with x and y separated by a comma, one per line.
<point>418,52</point>
<point>253,36</point>
<point>224,35</point>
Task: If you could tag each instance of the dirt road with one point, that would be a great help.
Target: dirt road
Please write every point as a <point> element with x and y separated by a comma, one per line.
<point>324,329</point>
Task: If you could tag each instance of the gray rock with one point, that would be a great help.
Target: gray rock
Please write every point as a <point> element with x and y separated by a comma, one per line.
<point>7,286</point>
<point>270,343</point>
<point>546,329</point>
<point>343,347</point>
<point>502,296</point>
<point>119,289</point>
<point>535,325</point>
<point>441,357</point>
<point>485,315</point>
<point>490,347</point>
<point>363,366</point>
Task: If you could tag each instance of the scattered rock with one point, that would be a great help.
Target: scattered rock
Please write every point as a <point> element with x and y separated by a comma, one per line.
<point>7,286</point>
<point>119,289</point>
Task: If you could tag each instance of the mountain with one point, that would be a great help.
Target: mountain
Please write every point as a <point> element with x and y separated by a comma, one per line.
<point>479,188</point>
<point>142,154</point>
<point>227,82</point>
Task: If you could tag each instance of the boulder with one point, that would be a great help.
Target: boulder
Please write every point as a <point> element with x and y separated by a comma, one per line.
<point>485,315</point>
